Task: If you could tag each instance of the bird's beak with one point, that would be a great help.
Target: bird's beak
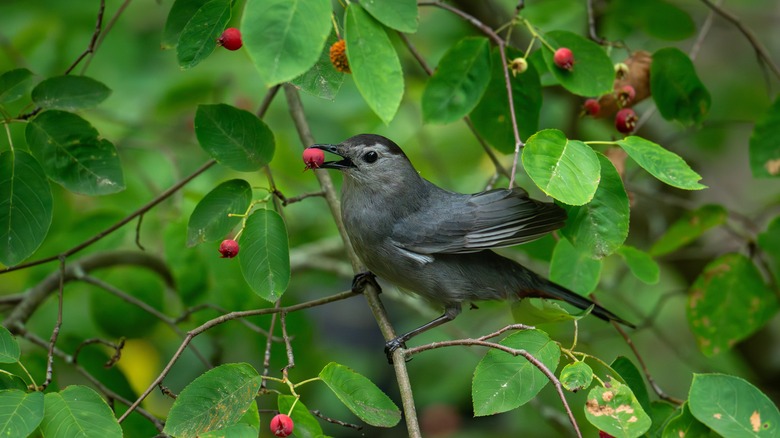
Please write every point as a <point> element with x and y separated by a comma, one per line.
<point>346,163</point>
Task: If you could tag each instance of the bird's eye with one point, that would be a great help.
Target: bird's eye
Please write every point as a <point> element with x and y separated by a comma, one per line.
<point>370,157</point>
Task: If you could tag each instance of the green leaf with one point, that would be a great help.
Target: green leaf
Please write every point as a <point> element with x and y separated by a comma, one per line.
<point>14,84</point>
<point>769,241</point>
<point>688,228</point>
<point>733,407</point>
<point>73,154</point>
<point>677,90</point>
<point>616,411</point>
<point>685,425</point>
<point>660,413</point>
<point>361,396</point>
<point>661,163</point>
<point>593,72</point>
<point>20,412</point>
<point>641,264</point>
<point>764,150</point>
<point>306,426</point>
<point>69,93</point>
<point>78,411</point>
<point>460,80</point>
<point>198,38</point>
<point>503,382</point>
<point>25,206</point>
<point>322,80</point>
<point>400,15</point>
<point>601,226</point>
<point>491,116</point>
<point>375,67</point>
<point>728,302</point>
<point>210,221</point>
<point>633,378</point>
<point>284,38</point>
<point>234,137</point>
<point>216,399</point>
<point>574,269</point>
<point>567,170</point>
<point>265,254</point>
<point>181,13</point>
<point>239,430</point>
<point>9,348</point>
<point>576,376</point>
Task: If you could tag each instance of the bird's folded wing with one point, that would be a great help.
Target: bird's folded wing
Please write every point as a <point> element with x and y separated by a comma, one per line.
<point>469,223</point>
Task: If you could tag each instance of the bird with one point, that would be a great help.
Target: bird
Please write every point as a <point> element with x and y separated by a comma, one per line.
<point>437,243</point>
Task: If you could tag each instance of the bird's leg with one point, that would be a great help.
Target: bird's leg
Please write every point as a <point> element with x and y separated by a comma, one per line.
<point>360,280</point>
<point>450,313</point>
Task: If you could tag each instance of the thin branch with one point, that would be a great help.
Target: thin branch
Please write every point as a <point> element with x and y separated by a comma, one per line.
<point>268,344</point>
<point>91,47</point>
<point>339,422</point>
<point>592,23</point>
<point>55,333</point>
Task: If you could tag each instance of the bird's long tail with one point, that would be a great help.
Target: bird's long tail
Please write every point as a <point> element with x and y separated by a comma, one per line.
<point>558,292</point>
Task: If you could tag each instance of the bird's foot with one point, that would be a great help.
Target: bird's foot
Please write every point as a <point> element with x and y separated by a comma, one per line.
<point>391,346</point>
<point>360,280</point>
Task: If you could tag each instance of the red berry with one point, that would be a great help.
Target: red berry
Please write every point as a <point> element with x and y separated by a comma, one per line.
<point>625,95</point>
<point>228,248</point>
<point>313,158</point>
<point>230,39</point>
<point>625,120</point>
<point>564,58</point>
<point>591,107</point>
<point>281,425</point>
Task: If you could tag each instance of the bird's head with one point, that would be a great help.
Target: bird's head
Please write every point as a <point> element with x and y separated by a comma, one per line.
<point>370,160</point>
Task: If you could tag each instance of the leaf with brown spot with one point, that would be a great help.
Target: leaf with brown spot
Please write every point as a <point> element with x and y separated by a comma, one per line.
<point>616,411</point>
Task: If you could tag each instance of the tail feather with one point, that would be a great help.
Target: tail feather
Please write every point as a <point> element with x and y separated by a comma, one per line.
<point>558,292</point>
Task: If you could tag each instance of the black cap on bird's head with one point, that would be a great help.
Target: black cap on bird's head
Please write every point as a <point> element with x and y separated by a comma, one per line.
<point>362,148</point>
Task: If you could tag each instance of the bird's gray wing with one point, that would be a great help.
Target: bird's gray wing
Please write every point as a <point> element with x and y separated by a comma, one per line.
<point>455,223</point>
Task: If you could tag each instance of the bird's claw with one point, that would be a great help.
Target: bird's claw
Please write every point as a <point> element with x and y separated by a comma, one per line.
<point>360,280</point>
<point>391,346</point>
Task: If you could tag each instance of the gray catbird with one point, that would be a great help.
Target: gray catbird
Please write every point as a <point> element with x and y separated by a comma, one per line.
<point>437,243</point>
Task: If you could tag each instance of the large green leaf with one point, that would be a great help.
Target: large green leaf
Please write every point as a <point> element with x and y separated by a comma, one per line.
<point>567,170</point>
<point>284,38</point>
<point>234,137</point>
<point>20,412</point>
<point>661,163</point>
<point>732,406</point>
<point>400,15</point>
<point>25,206</point>
<point>215,400</point>
<point>375,67</point>
<point>685,425</point>
<point>198,38</point>
<point>322,80</point>
<point>688,228</point>
<point>460,80</point>
<point>209,221</point>
<point>677,90</point>
<point>73,154</point>
<point>9,348</point>
<point>601,226</point>
<point>503,382</point>
<point>593,73</point>
<point>616,411</point>
<point>306,426</point>
<point>14,84</point>
<point>576,376</point>
<point>574,269</point>
<point>764,150</point>
<point>265,254</point>
<point>180,14</point>
<point>78,411</point>
<point>728,302</point>
<point>361,396</point>
<point>491,116</point>
<point>69,93</point>
<point>641,264</point>
<point>630,374</point>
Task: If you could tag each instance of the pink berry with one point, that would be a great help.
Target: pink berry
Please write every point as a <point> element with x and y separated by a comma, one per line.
<point>626,95</point>
<point>313,158</point>
<point>281,425</point>
<point>591,107</point>
<point>228,248</point>
<point>230,39</point>
<point>625,120</point>
<point>564,58</point>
